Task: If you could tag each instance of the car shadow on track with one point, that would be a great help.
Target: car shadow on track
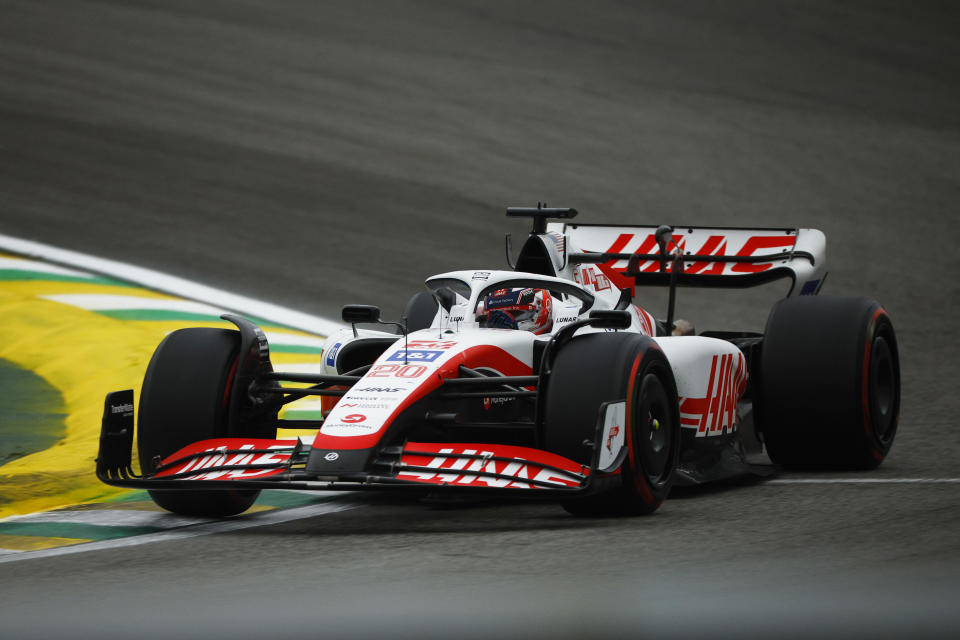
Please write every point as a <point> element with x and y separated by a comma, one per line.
<point>379,514</point>
<point>437,513</point>
<point>714,488</point>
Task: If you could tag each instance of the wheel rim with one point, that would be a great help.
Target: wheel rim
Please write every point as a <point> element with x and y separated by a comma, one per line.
<point>654,430</point>
<point>883,389</point>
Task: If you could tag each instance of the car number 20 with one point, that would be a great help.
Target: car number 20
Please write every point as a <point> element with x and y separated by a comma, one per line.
<point>397,371</point>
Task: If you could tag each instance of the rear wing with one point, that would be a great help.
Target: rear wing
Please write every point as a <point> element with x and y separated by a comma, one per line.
<point>711,256</point>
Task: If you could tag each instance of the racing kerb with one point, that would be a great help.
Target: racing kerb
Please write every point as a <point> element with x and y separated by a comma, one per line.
<point>82,330</point>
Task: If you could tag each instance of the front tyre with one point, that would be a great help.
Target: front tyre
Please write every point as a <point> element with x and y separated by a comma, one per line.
<point>608,367</point>
<point>829,389</point>
<point>185,399</point>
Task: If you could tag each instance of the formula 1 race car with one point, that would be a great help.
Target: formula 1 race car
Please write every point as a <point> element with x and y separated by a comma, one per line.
<point>542,381</point>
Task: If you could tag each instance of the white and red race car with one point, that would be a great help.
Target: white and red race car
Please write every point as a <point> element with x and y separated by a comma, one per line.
<point>542,381</point>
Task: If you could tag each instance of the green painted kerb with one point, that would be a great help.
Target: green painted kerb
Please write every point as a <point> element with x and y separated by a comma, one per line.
<point>157,315</point>
<point>32,413</point>
<point>78,530</point>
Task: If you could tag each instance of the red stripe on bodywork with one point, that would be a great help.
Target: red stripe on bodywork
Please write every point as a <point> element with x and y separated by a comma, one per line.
<point>473,357</point>
<point>708,248</point>
<point>706,411</point>
<point>761,242</point>
<point>620,243</point>
<point>619,280</point>
<point>717,402</point>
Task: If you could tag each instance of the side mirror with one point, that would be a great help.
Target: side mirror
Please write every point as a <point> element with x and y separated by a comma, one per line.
<point>360,313</point>
<point>610,319</point>
<point>447,297</point>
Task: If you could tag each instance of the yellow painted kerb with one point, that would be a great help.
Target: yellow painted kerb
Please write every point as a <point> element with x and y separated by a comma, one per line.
<point>84,355</point>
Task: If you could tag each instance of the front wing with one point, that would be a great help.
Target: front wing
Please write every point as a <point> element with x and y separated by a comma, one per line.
<point>257,463</point>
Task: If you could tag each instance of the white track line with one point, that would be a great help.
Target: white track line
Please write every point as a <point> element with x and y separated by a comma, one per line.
<point>170,284</point>
<point>289,339</point>
<point>863,481</point>
<point>101,302</point>
<point>22,264</point>
<point>110,517</point>
<point>259,519</point>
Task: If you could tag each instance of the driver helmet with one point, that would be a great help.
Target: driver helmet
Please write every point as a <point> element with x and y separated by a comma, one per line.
<point>525,309</point>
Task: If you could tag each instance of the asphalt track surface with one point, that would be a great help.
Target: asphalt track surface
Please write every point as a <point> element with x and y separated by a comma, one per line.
<point>315,154</point>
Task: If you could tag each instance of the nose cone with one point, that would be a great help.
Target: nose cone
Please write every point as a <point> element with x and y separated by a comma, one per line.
<point>339,463</point>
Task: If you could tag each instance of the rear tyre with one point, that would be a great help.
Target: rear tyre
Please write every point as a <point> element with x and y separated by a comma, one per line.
<point>186,398</point>
<point>829,387</point>
<point>603,367</point>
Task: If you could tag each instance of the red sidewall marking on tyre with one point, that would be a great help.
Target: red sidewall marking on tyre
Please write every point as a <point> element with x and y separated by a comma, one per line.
<point>639,475</point>
<point>229,386</point>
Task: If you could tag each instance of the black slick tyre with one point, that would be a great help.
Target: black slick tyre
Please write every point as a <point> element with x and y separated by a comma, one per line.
<point>185,398</point>
<point>610,367</point>
<point>829,383</point>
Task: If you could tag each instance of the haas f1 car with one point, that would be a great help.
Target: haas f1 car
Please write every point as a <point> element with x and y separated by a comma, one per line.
<point>543,381</point>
